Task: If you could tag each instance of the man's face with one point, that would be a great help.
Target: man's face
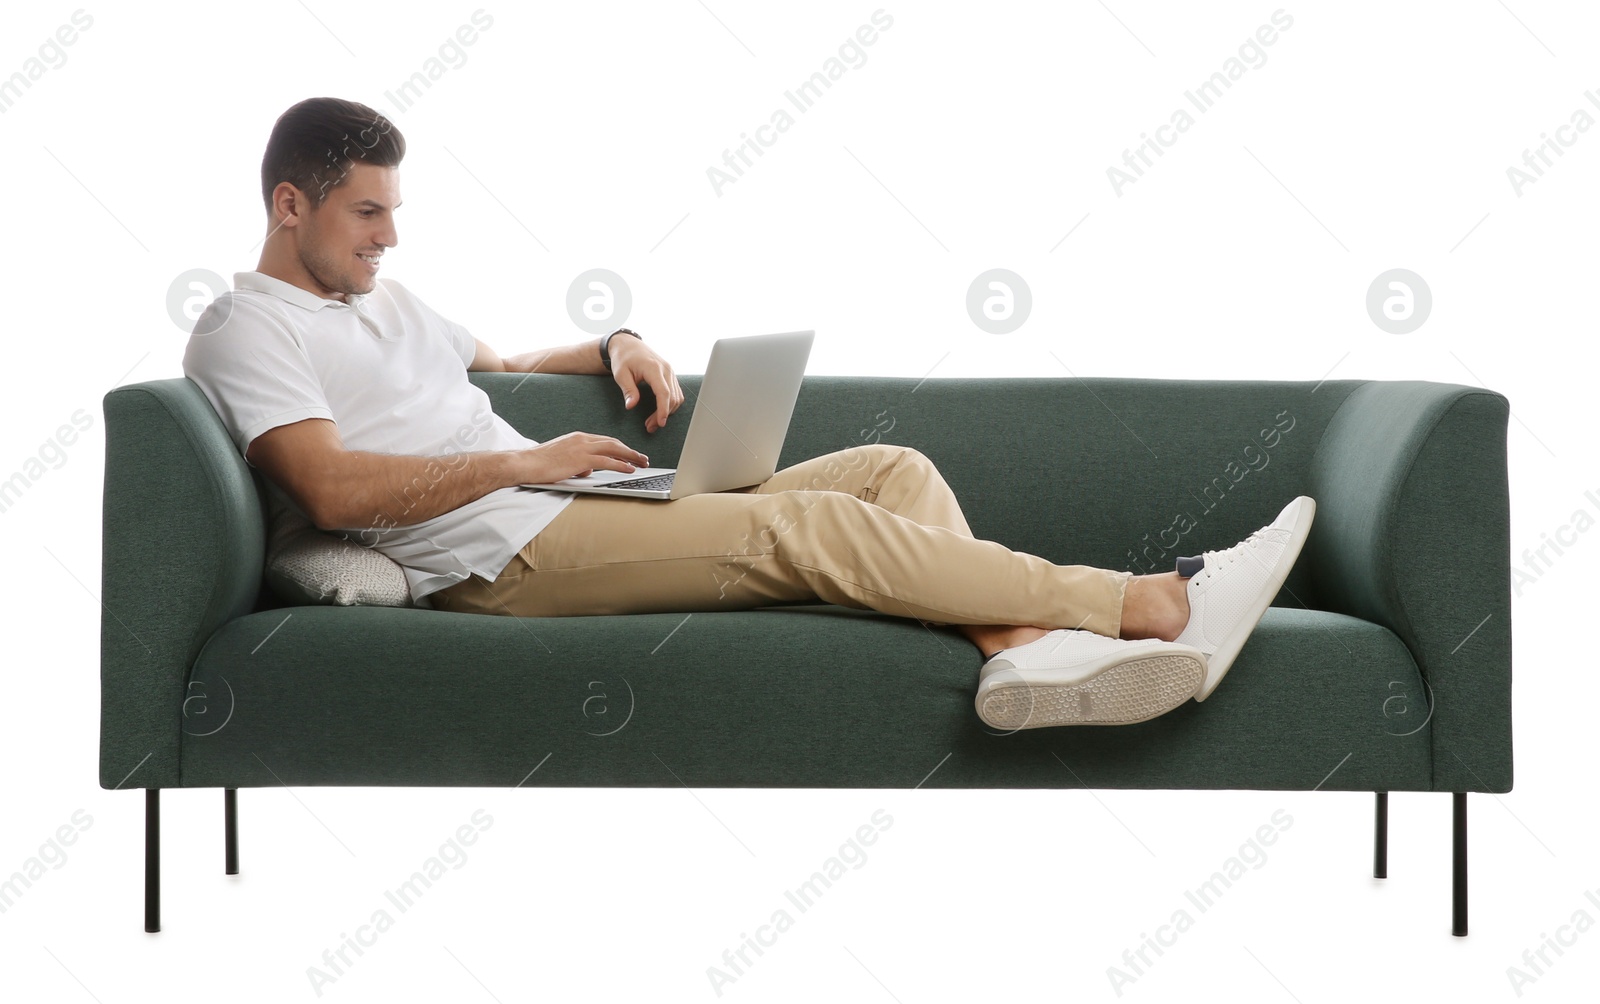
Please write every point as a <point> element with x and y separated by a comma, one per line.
<point>341,241</point>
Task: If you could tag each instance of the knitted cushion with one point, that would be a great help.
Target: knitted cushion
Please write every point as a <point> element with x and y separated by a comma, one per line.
<point>307,565</point>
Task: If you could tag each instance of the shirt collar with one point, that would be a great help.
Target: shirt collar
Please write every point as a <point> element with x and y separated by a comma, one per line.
<point>260,282</point>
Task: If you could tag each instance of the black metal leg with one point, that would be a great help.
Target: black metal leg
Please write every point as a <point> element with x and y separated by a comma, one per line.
<point>152,860</point>
<point>1380,837</point>
<point>1458,865</point>
<point>230,829</point>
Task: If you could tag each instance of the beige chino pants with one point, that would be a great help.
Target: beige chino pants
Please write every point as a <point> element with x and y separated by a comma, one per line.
<point>873,527</point>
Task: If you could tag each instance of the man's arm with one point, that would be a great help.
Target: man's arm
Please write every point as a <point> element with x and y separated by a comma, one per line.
<point>583,358</point>
<point>632,363</point>
<point>342,489</point>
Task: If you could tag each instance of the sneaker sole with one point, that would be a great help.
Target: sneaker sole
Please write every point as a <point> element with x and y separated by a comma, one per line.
<point>1135,690</point>
<point>1220,661</point>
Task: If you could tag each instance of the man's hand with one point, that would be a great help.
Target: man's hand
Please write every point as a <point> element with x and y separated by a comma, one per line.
<point>632,363</point>
<point>577,455</point>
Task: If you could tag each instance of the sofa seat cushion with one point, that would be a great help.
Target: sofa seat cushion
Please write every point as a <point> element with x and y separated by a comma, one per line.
<point>813,696</point>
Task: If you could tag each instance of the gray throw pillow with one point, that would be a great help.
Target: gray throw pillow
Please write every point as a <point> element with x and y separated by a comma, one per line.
<point>307,565</point>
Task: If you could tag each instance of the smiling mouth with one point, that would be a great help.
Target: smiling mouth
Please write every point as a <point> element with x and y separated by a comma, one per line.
<point>370,259</point>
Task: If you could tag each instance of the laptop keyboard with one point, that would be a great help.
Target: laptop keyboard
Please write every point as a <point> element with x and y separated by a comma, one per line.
<point>652,483</point>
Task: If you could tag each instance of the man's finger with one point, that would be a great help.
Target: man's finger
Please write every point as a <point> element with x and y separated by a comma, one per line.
<point>622,451</point>
<point>663,398</point>
<point>630,389</point>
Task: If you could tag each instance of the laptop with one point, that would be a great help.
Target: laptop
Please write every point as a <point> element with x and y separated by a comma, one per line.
<point>737,428</point>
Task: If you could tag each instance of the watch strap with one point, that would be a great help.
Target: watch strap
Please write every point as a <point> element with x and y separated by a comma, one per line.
<point>605,344</point>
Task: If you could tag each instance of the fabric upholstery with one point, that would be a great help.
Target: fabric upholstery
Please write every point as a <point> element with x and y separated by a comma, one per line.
<point>1403,592</point>
<point>833,698</point>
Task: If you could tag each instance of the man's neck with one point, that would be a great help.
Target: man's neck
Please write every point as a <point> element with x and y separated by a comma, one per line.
<point>295,274</point>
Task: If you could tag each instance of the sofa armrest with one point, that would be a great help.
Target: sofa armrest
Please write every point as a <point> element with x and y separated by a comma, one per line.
<point>1413,532</point>
<point>183,539</point>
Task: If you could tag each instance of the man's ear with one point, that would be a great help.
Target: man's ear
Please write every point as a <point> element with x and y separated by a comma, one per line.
<point>288,205</point>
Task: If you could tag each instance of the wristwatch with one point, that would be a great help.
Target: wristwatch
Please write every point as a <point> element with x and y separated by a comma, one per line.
<point>605,343</point>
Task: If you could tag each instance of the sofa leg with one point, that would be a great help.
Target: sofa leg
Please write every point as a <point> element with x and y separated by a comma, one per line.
<point>152,860</point>
<point>1458,865</point>
<point>230,830</point>
<point>1380,837</point>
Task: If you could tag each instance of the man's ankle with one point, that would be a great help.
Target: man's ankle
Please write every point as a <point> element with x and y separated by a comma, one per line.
<point>1155,606</point>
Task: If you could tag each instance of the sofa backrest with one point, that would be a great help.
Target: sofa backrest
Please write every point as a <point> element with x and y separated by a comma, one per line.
<point>1099,471</point>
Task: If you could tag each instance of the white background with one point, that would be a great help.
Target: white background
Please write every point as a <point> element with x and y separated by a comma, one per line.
<point>1374,136</point>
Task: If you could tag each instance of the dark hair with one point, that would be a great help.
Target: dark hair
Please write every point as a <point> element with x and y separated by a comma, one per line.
<point>315,143</point>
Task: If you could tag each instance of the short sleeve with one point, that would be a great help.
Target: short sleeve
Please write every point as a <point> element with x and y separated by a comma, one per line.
<point>465,344</point>
<point>460,339</point>
<point>253,368</point>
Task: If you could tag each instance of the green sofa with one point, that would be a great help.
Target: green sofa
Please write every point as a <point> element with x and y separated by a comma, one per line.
<point>1384,665</point>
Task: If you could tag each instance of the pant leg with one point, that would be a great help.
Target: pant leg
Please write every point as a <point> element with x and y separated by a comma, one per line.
<point>898,478</point>
<point>776,544</point>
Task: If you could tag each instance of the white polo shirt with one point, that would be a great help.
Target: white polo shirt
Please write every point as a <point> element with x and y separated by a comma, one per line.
<point>392,375</point>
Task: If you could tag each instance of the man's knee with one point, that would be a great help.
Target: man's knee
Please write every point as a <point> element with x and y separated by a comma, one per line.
<point>878,454</point>
<point>831,470</point>
<point>899,457</point>
<point>913,457</point>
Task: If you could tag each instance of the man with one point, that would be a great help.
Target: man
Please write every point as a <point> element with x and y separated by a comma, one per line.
<point>352,397</point>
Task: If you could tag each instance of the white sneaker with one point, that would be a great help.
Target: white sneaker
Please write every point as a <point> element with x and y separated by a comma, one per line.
<point>1231,590</point>
<point>1081,678</point>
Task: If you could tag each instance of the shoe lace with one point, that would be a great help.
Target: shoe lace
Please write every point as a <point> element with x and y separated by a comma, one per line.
<point>1216,560</point>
